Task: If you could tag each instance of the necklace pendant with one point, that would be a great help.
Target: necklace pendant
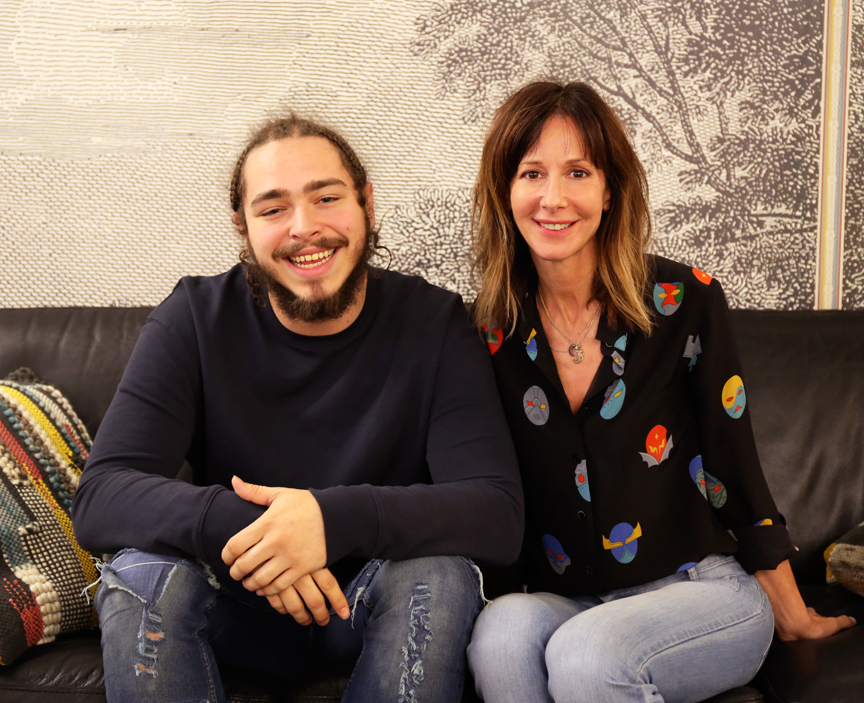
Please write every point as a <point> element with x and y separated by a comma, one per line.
<point>576,352</point>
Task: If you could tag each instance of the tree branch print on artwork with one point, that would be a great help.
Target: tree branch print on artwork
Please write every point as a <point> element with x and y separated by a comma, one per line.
<point>722,94</point>
<point>436,226</point>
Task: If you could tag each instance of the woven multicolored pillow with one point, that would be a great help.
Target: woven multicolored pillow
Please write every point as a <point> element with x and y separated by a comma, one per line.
<point>44,574</point>
<point>845,560</point>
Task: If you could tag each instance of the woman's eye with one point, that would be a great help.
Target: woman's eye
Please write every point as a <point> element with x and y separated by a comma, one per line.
<point>531,175</point>
<point>579,173</point>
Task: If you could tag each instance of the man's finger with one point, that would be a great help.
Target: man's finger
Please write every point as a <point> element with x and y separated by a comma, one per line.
<point>240,543</point>
<point>294,606</point>
<point>287,578</point>
<point>277,604</point>
<point>251,560</point>
<point>330,588</point>
<point>315,601</point>
<point>265,577</point>
<point>262,495</point>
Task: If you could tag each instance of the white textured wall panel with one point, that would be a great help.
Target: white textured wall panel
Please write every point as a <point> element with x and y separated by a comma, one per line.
<point>119,122</point>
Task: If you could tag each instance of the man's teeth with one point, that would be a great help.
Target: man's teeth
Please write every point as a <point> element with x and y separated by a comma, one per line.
<point>555,227</point>
<point>308,261</point>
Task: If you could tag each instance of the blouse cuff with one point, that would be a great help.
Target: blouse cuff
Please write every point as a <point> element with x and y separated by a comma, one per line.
<point>763,547</point>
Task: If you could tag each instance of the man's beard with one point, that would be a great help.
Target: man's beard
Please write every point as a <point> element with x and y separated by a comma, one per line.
<point>316,309</point>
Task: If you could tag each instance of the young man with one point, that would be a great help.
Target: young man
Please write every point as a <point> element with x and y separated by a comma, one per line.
<point>360,407</point>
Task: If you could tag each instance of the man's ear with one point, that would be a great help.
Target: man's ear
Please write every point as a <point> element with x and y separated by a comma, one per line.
<point>240,228</point>
<point>370,205</point>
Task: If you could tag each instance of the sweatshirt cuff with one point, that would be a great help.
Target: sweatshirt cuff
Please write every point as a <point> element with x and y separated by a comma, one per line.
<point>227,514</point>
<point>762,547</point>
<point>352,523</point>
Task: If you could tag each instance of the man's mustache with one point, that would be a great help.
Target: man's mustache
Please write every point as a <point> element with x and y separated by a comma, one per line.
<point>328,242</point>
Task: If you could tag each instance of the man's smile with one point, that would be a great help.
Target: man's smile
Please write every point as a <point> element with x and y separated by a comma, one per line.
<point>308,261</point>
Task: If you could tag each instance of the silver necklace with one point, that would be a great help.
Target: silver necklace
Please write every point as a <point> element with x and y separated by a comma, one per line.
<point>575,349</point>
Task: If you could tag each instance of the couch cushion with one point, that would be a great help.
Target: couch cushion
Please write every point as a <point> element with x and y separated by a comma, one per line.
<point>43,571</point>
<point>804,374</point>
<point>815,671</point>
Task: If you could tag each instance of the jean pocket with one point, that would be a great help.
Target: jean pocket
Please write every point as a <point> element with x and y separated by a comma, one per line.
<point>731,581</point>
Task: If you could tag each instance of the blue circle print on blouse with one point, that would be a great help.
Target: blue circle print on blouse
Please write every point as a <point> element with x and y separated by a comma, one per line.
<point>698,475</point>
<point>536,405</point>
<point>582,480</point>
<point>555,553</point>
<point>623,541</point>
<point>614,399</point>
<point>531,345</point>
<point>715,489</point>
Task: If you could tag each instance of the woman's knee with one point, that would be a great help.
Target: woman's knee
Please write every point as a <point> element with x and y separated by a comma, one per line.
<point>514,628</point>
<point>585,663</point>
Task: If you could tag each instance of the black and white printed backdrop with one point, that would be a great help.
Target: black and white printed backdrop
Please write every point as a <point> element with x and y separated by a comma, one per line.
<point>120,119</point>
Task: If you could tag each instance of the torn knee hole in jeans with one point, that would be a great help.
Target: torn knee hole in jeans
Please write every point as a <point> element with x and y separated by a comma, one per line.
<point>419,636</point>
<point>149,636</point>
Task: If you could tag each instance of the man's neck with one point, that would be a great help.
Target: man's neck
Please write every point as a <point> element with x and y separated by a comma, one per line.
<point>321,329</point>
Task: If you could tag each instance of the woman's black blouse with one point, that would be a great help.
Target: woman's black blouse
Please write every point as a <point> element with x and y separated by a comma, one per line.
<point>658,468</point>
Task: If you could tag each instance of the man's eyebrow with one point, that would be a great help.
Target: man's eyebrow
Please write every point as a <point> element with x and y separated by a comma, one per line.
<point>310,187</point>
<point>325,183</point>
<point>270,195</point>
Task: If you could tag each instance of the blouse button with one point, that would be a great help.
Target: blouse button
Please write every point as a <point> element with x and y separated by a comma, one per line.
<point>580,515</point>
<point>589,570</point>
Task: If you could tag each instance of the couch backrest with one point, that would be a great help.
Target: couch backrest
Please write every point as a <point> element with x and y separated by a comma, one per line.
<point>81,351</point>
<point>804,377</point>
<point>803,372</point>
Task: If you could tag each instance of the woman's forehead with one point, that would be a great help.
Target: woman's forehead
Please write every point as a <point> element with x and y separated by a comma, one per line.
<point>562,135</point>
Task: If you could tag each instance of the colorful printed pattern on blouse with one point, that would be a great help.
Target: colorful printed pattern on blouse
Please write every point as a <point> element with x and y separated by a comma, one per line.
<point>623,541</point>
<point>664,431</point>
<point>494,338</point>
<point>668,297</point>
<point>536,405</point>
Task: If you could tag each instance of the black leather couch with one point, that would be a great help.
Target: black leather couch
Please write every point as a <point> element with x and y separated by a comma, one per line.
<point>804,373</point>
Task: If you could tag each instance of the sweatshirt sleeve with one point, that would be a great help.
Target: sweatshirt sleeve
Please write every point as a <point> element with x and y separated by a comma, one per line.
<point>128,495</point>
<point>474,506</point>
<point>730,461</point>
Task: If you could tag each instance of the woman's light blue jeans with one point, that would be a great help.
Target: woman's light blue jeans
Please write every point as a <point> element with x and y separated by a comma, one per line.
<point>167,623</point>
<point>683,638</point>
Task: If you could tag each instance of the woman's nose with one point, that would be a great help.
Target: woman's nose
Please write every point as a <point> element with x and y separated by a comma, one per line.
<point>553,195</point>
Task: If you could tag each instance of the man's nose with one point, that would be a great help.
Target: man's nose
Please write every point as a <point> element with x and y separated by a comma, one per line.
<point>304,224</point>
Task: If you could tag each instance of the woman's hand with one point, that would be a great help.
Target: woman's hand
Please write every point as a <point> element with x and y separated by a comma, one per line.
<point>792,619</point>
<point>309,594</point>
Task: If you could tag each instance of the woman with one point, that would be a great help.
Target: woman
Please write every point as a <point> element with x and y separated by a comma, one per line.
<point>651,538</point>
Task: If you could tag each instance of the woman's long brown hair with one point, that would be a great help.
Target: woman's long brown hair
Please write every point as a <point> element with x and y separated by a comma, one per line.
<point>501,256</point>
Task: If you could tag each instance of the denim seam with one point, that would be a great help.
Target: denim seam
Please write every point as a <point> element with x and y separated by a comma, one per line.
<point>211,680</point>
<point>754,614</point>
<point>762,600</point>
<point>477,581</point>
<point>712,566</point>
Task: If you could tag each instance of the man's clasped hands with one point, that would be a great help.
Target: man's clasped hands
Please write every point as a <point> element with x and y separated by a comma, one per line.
<point>282,555</point>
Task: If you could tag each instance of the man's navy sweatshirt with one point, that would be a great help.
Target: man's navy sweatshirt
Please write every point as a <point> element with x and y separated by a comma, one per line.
<point>395,425</point>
